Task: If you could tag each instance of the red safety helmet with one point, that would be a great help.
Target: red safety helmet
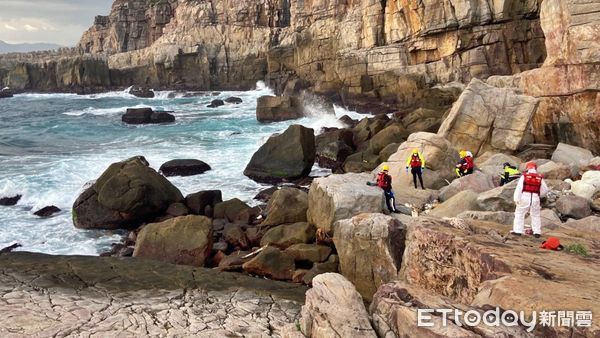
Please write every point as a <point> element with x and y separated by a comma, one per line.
<point>530,165</point>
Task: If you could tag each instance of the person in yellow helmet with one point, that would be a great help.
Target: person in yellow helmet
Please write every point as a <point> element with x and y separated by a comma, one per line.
<point>466,164</point>
<point>384,181</point>
<point>416,162</point>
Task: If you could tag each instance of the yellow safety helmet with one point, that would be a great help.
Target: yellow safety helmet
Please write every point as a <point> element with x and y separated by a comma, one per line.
<point>386,168</point>
<point>415,151</point>
<point>463,153</point>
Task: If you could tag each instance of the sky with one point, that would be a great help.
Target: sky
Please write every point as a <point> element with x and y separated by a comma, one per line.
<point>51,21</point>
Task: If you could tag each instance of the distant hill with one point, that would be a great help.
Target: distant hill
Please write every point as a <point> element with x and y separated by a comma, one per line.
<point>25,47</point>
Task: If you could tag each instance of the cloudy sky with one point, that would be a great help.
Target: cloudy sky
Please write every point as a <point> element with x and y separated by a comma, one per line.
<point>52,21</point>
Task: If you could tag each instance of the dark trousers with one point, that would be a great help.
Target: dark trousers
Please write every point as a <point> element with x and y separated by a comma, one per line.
<point>416,172</point>
<point>507,179</point>
<point>390,200</point>
<point>466,172</point>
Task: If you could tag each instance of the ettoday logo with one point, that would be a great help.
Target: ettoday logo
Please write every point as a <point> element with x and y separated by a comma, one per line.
<point>497,317</point>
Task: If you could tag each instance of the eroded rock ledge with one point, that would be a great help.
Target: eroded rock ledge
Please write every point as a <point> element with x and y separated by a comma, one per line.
<point>72,295</point>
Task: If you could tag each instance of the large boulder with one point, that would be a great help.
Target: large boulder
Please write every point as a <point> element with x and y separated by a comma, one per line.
<point>572,156</point>
<point>230,209</point>
<point>422,119</point>
<point>361,161</point>
<point>6,93</point>
<point>333,309</point>
<point>10,200</point>
<point>395,312</point>
<point>183,240</point>
<point>440,159</point>
<point>278,108</point>
<point>494,164</point>
<point>395,133</point>
<point>573,206</point>
<point>125,195</point>
<point>272,263</point>
<point>183,168</point>
<point>286,235</point>
<point>333,147</point>
<point>370,247</point>
<point>477,182</point>
<point>463,201</point>
<point>340,197</point>
<point>146,116</point>
<point>489,118</point>
<point>143,92</point>
<point>288,156</point>
<point>590,223</point>
<point>287,205</point>
<point>554,171</point>
<point>498,199</point>
<point>588,186</point>
<point>550,219</point>
<point>198,202</point>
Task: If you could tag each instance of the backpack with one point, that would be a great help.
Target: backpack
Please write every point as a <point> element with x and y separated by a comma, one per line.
<point>382,182</point>
<point>470,163</point>
<point>415,161</point>
<point>551,244</point>
<point>532,183</point>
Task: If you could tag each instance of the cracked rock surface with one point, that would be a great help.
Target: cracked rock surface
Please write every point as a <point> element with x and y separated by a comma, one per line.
<point>59,296</point>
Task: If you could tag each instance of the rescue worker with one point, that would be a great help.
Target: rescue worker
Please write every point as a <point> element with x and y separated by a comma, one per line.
<point>416,162</point>
<point>530,189</point>
<point>466,164</point>
<point>510,174</point>
<point>384,181</point>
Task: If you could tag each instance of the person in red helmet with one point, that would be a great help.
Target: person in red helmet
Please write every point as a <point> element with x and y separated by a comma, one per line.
<point>530,188</point>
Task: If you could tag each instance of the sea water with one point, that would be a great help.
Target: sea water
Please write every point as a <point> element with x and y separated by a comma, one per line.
<point>51,145</point>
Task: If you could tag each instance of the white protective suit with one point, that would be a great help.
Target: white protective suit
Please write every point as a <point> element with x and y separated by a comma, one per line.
<point>526,201</point>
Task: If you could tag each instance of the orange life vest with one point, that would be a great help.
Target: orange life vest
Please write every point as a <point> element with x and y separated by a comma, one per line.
<point>384,181</point>
<point>532,183</point>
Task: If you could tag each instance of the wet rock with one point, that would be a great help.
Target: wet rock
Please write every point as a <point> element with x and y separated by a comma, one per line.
<point>333,147</point>
<point>234,100</point>
<point>271,263</point>
<point>287,205</point>
<point>47,211</point>
<point>8,201</point>
<point>230,210</point>
<point>5,93</point>
<point>463,201</point>
<point>234,261</point>
<point>309,252</point>
<point>216,103</point>
<point>573,206</point>
<point>288,156</point>
<point>348,121</point>
<point>177,210</point>
<point>370,248</point>
<point>334,308</point>
<point>278,108</point>
<point>361,161</point>
<point>341,197</point>
<point>198,202</point>
<point>142,92</point>
<point>265,195</point>
<point>183,168</point>
<point>146,116</point>
<point>477,182</point>
<point>286,235</point>
<point>125,195</point>
<point>235,236</point>
<point>183,240</point>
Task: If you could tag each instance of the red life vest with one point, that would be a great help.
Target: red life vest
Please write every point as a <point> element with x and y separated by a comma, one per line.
<point>384,181</point>
<point>415,161</point>
<point>532,183</point>
<point>470,163</point>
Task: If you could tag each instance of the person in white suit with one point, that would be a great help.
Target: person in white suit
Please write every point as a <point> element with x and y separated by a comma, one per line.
<point>530,189</point>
